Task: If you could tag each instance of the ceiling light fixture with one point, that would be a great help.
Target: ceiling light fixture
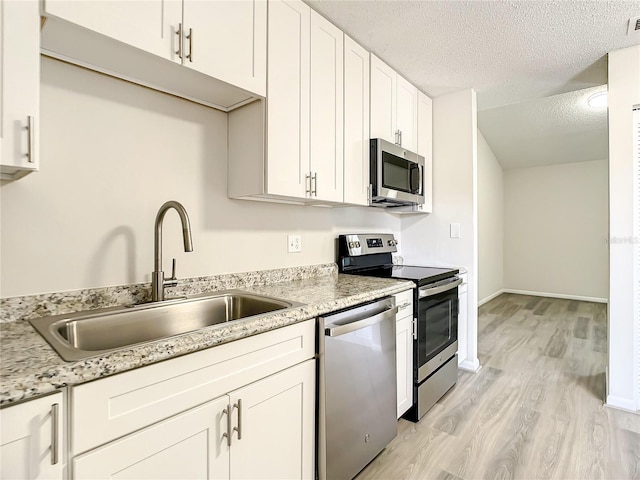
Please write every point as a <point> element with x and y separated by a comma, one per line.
<point>598,100</point>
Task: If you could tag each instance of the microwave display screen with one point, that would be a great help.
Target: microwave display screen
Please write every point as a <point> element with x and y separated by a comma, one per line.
<point>396,173</point>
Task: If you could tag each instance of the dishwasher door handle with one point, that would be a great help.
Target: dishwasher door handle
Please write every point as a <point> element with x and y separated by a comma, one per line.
<point>358,324</point>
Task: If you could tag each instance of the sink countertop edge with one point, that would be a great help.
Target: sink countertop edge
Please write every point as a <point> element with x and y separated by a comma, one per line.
<point>30,367</point>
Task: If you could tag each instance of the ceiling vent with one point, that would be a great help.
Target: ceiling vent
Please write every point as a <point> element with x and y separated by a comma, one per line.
<point>634,25</point>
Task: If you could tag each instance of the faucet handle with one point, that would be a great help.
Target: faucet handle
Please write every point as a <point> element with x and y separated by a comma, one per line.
<point>173,270</point>
<point>172,281</point>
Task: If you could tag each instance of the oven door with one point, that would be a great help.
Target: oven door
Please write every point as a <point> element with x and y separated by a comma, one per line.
<point>437,326</point>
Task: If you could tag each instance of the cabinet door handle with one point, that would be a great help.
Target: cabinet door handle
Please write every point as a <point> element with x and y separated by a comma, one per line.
<point>54,433</point>
<point>179,33</point>
<point>31,149</point>
<point>227,435</point>
<point>190,38</point>
<point>397,137</point>
<point>400,137</point>
<point>414,328</point>
<point>307,184</point>
<point>239,427</point>
<point>314,191</point>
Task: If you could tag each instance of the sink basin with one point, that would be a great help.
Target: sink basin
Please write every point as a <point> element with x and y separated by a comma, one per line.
<point>81,335</point>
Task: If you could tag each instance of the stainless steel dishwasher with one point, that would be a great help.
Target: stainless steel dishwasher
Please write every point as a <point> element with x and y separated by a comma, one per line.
<point>356,387</point>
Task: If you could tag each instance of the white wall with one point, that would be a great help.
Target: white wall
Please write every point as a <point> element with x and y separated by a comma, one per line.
<point>426,239</point>
<point>624,93</point>
<point>490,223</point>
<point>111,154</point>
<point>555,230</point>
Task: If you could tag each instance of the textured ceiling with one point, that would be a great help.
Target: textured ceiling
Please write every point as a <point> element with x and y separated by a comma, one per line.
<point>513,53</point>
<point>508,51</point>
<point>546,131</point>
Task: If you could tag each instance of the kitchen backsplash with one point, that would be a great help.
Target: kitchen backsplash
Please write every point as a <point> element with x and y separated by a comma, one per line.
<point>32,306</point>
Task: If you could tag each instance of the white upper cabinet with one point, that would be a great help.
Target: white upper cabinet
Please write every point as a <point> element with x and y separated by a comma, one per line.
<point>19,88</point>
<point>425,147</point>
<point>32,439</point>
<point>150,42</point>
<point>150,25</point>
<point>302,123</point>
<point>288,99</point>
<point>383,100</point>
<point>394,106</point>
<point>356,123</point>
<point>326,96</point>
<point>227,39</point>
<point>407,114</point>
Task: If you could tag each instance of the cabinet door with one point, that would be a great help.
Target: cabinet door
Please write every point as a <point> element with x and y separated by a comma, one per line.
<point>383,100</point>
<point>19,87</point>
<point>326,110</point>
<point>188,446</point>
<point>29,448</point>
<point>404,363</point>
<point>463,339</point>
<point>276,423</point>
<point>407,114</point>
<point>288,98</point>
<point>149,25</point>
<point>356,123</point>
<point>425,146</point>
<point>227,39</point>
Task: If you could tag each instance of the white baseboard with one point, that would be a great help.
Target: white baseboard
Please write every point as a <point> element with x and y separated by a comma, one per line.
<point>470,366</point>
<point>556,295</point>
<point>491,297</point>
<point>620,403</point>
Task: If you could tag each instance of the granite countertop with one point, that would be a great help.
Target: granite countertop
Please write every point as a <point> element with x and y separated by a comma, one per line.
<point>30,367</point>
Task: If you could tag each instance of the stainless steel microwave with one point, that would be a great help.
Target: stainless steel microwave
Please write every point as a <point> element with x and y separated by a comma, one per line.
<point>396,175</point>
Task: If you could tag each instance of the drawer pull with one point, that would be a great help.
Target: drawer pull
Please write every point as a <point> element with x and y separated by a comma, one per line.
<point>227,435</point>
<point>54,433</point>
<point>239,427</point>
<point>179,33</point>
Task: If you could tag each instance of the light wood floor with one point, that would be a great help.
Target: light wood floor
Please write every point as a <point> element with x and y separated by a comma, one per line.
<point>534,410</point>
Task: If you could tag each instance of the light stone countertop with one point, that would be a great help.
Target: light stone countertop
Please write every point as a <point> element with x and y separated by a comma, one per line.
<point>30,367</point>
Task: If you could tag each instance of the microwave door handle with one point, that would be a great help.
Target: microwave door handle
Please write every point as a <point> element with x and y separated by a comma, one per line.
<point>416,171</point>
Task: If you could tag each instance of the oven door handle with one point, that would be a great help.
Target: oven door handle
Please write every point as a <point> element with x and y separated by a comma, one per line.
<point>430,291</point>
<point>362,323</point>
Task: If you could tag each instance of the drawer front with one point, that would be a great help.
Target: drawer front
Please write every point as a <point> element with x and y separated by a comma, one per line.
<point>115,406</point>
<point>404,302</point>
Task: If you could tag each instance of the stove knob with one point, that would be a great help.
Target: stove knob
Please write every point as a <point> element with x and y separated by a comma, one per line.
<point>352,244</point>
<point>393,243</point>
<point>357,244</point>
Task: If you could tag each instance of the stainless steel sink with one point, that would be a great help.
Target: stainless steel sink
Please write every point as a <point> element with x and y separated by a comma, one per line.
<point>81,335</point>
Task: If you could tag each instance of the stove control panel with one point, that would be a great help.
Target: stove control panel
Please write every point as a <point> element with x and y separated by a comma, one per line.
<point>356,245</point>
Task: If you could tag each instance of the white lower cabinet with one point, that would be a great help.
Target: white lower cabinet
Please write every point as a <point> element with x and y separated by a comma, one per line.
<point>32,439</point>
<point>462,318</point>
<point>268,434</point>
<point>276,426</point>
<point>187,446</point>
<point>404,350</point>
<point>244,410</point>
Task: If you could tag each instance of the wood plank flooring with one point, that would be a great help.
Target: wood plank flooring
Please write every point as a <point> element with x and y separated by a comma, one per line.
<point>535,409</point>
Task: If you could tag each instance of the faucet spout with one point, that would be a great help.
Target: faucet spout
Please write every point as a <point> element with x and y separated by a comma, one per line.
<point>158,281</point>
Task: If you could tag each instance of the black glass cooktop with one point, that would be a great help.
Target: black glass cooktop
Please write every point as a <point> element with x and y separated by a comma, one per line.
<point>420,275</point>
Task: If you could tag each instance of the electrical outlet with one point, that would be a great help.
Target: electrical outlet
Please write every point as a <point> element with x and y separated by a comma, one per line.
<point>294,243</point>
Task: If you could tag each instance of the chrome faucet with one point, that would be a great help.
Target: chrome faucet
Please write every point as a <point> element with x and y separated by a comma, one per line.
<point>158,281</point>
